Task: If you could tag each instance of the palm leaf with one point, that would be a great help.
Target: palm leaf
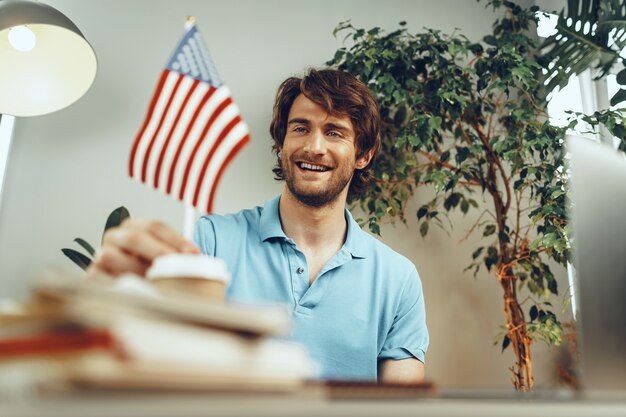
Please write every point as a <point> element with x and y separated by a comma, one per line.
<point>618,97</point>
<point>621,77</point>
<point>582,40</point>
<point>77,257</point>
<point>116,218</point>
<point>85,246</point>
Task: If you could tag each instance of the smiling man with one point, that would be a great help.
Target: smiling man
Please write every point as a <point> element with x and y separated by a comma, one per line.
<point>357,305</point>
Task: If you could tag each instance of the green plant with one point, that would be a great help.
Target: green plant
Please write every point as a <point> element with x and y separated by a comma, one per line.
<point>589,34</point>
<point>116,217</point>
<point>469,119</point>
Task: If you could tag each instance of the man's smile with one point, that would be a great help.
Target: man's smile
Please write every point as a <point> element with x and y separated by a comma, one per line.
<point>307,166</point>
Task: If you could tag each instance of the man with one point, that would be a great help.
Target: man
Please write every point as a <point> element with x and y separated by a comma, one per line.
<point>357,305</point>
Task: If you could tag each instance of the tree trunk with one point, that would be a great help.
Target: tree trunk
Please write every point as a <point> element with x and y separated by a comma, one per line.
<point>515,321</point>
<point>517,331</point>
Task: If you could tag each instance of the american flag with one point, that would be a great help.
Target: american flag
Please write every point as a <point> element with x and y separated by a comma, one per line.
<point>192,131</point>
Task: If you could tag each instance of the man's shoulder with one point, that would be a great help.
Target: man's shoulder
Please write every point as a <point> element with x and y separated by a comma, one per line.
<point>383,253</point>
<point>232,221</point>
<point>398,274</point>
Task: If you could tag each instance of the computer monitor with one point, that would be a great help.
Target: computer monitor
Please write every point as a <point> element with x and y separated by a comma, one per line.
<point>598,215</point>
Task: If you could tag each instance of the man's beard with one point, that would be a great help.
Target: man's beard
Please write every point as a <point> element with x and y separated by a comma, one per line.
<point>317,197</point>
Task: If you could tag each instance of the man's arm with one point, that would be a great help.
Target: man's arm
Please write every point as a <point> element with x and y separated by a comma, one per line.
<point>401,358</point>
<point>403,371</point>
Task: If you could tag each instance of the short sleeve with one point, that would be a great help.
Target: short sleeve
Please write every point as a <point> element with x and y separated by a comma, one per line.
<point>204,235</point>
<point>408,335</point>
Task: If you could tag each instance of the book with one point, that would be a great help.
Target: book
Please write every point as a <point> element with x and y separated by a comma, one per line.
<point>108,294</point>
<point>123,335</point>
<point>52,341</point>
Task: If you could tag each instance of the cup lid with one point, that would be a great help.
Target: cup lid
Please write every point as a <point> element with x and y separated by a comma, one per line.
<point>186,265</point>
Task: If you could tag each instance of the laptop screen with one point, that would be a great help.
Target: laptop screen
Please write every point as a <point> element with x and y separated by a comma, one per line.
<point>598,184</point>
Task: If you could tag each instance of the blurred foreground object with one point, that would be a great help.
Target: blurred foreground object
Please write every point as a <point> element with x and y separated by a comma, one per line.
<point>122,335</point>
<point>202,275</point>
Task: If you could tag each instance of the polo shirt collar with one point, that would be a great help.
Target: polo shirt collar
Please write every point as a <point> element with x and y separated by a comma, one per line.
<point>354,238</point>
<point>269,223</point>
<point>270,227</point>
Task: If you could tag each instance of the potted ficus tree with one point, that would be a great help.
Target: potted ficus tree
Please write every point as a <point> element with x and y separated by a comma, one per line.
<point>469,119</point>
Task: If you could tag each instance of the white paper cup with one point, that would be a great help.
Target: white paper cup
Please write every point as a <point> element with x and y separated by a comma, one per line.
<point>199,275</point>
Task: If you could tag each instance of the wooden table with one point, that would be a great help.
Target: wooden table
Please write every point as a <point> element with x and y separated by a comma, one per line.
<point>310,403</point>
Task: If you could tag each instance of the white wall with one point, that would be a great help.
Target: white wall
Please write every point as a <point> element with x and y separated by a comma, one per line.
<point>67,170</point>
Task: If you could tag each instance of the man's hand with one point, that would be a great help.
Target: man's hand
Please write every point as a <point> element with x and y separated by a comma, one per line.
<point>403,371</point>
<point>132,246</point>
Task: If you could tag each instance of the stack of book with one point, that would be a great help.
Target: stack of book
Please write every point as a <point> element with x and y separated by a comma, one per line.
<point>121,334</point>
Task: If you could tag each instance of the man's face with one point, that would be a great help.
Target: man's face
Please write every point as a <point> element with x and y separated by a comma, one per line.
<point>318,156</point>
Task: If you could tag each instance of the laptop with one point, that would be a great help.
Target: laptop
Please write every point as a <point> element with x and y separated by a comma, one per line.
<point>598,216</point>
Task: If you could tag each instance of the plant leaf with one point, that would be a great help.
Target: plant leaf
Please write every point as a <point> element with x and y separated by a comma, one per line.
<point>85,246</point>
<point>116,218</point>
<point>77,257</point>
<point>505,342</point>
<point>464,206</point>
<point>618,97</point>
<point>489,230</point>
<point>574,48</point>
<point>621,77</point>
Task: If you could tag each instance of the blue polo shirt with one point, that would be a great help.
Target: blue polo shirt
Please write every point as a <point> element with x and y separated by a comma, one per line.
<point>365,305</point>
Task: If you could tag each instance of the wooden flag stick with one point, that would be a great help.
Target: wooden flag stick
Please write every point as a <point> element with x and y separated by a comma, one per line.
<point>189,220</point>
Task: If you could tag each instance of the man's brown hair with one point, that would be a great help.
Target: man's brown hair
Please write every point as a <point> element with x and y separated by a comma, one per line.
<point>338,93</point>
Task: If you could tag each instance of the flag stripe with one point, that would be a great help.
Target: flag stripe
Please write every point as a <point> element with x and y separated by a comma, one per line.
<point>220,155</point>
<point>155,98</point>
<point>192,158</point>
<point>161,135</point>
<point>166,145</point>
<point>199,134</point>
<point>144,167</point>
<point>179,136</point>
<point>228,114</point>
<point>170,81</point>
<point>231,155</point>
<point>209,157</point>
<point>183,142</point>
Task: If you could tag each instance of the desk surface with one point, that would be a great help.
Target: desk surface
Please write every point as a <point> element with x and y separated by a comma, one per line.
<point>304,404</point>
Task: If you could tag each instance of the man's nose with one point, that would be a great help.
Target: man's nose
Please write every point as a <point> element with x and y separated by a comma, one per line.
<point>316,143</point>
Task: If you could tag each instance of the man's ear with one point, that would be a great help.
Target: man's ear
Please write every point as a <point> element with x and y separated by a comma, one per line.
<point>364,160</point>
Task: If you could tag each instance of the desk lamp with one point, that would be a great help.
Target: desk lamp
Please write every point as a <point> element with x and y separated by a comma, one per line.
<point>46,63</point>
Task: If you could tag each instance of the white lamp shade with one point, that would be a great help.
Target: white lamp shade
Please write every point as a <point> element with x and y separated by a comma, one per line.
<point>55,73</point>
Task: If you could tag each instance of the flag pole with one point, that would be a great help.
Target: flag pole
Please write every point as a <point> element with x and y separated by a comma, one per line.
<point>191,213</point>
<point>188,221</point>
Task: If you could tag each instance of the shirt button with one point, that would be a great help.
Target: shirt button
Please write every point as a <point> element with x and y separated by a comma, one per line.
<point>300,270</point>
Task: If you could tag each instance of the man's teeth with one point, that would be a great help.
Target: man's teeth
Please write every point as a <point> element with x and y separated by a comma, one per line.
<point>312,167</point>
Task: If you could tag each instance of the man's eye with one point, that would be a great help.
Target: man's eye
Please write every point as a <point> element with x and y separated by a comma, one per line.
<point>299,129</point>
<point>334,134</point>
